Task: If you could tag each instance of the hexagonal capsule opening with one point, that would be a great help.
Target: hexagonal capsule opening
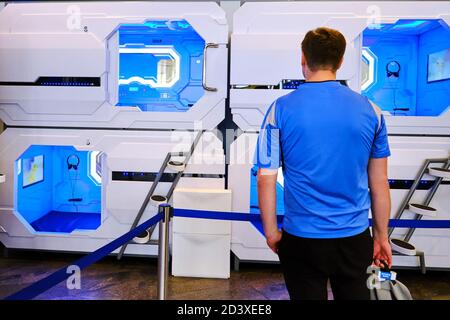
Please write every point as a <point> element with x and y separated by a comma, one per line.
<point>160,65</point>
<point>58,189</point>
<point>405,67</point>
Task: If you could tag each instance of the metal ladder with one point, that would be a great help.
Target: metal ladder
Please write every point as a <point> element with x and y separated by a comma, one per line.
<point>421,209</point>
<point>169,194</point>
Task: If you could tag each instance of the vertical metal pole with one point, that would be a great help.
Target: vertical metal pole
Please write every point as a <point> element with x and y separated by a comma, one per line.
<point>163,250</point>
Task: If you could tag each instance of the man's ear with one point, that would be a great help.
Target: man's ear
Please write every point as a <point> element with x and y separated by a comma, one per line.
<point>340,63</point>
<point>304,66</point>
<point>303,60</point>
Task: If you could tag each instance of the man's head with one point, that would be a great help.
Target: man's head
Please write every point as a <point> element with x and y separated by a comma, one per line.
<point>322,50</point>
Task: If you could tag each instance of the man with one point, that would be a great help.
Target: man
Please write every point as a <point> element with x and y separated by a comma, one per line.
<point>332,145</point>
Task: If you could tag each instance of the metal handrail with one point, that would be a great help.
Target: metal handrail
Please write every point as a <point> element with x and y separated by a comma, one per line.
<point>427,200</point>
<point>155,183</point>
<point>414,186</point>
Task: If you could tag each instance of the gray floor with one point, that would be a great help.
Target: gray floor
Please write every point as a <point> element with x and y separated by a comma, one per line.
<point>135,278</point>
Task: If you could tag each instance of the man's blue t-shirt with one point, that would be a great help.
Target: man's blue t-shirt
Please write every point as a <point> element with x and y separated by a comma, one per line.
<point>323,135</point>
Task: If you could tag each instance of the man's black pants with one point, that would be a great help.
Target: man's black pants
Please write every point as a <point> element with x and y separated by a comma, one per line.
<point>308,264</point>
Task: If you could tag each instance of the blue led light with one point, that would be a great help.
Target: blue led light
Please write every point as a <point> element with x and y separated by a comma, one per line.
<point>409,24</point>
<point>156,24</point>
<point>183,25</point>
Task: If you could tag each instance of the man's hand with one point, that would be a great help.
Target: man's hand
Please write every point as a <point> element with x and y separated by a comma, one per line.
<point>382,252</point>
<point>273,240</point>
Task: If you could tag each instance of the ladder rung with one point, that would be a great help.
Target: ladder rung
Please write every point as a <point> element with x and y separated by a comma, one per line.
<point>439,172</point>
<point>402,247</point>
<point>156,200</point>
<point>422,209</point>
<point>177,166</point>
<point>142,238</point>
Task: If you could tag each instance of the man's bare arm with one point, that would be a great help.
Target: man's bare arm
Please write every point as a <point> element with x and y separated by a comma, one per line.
<point>381,208</point>
<point>267,201</point>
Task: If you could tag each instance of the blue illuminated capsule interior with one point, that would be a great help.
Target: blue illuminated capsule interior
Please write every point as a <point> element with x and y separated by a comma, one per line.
<point>406,67</point>
<point>58,189</point>
<point>160,66</point>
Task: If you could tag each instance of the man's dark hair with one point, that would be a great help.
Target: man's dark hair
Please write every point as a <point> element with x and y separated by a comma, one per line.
<point>323,49</point>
